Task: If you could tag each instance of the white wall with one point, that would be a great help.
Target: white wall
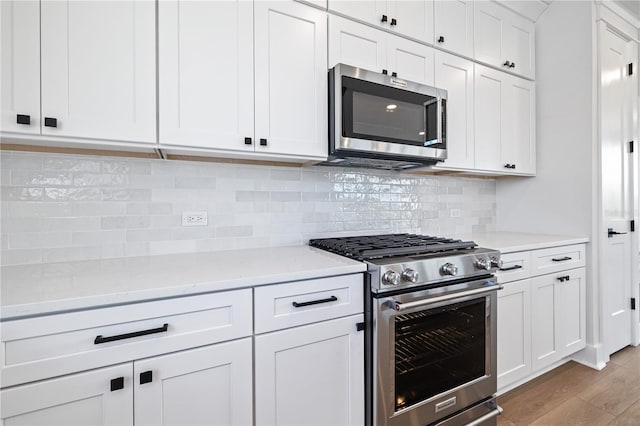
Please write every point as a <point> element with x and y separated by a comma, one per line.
<point>72,207</point>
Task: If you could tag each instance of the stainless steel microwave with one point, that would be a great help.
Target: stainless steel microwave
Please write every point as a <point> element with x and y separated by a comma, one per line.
<point>382,121</point>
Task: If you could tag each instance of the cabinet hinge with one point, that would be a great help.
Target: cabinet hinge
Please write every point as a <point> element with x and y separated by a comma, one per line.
<point>630,68</point>
<point>633,303</point>
<point>630,147</point>
<point>632,226</point>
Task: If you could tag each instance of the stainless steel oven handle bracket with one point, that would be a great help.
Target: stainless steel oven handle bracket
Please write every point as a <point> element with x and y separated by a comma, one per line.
<point>489,415</point>
<point>404,306</point>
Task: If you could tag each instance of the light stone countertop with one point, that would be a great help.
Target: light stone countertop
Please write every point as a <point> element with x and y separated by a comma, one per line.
<point>510,242</point>
<point>27,290</point>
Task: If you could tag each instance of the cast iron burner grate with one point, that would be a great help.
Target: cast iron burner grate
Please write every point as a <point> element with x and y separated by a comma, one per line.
<point>389,245</point>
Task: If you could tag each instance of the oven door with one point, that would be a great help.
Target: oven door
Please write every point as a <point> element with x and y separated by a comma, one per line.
<point>436,352</point>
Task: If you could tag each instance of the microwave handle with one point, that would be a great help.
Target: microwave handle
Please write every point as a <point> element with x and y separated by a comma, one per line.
<point>439,120</point>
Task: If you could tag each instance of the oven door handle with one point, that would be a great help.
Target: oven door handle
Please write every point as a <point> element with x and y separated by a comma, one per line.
<point>398,306</point>
<point>480,420</point>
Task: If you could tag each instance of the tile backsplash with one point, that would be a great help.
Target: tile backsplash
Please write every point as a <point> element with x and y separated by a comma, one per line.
<point>61,207</point>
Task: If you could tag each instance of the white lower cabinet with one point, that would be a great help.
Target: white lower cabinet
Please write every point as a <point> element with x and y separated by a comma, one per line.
<point>541,317</point>
<point>98,397</point>
<point>311,375</point>
<point>514,331</point>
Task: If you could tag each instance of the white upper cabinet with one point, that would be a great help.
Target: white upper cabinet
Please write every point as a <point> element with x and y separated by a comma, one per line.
<point>20,66</point>
<point>98,70</point>
<point>206,74</point>
<point>361,46</point>
<point>455,75</point>
<point>410,18</point>
<point>454,26</point>
<point>291,79</point>
<point>503,39</point>
<point>504,122</point>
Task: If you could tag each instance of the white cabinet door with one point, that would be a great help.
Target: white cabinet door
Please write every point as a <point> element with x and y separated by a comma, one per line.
<point>410,60</point>
<point>503,39</point>
<point>545,308</point>
<point>205,69</point>
<point>559,320</point>
<point>518,146</point>
<point>98,69</point>
<point>357,45</point>
<point>519,40</point>
<point>571,328</point>
<point>489,100</point>
<point>412,18</point>
<point>210,385</point>
<point>454,26</point>
<point>97,397</point>
<point>514,332</point>
<point>311,375</point>
<point>20,66</point>
<point>291,79</point>
<point>369,11</point>
<point>504,122</point>
<point>455,75</point>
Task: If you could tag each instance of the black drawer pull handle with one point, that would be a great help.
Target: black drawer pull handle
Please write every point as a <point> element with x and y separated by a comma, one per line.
<point>117,383</point>
<point>314,302</point>
<point>441,39</point>
<point>23,119</point>
<point>561,259</point>
<point>393,21</point>
<point>263,142</point>
<point>248,141</point>
<point>513,65</point>
<point>394,74</point>
<point>100,339</point>
<point>563,278</point>
<point>50,122</point>
<point>384,18</point>
<point>385,72</point>
<point>511,268</point>
<point>146,377</point>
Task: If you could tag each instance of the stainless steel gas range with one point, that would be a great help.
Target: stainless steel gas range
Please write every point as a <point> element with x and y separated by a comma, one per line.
<point>430,330</point>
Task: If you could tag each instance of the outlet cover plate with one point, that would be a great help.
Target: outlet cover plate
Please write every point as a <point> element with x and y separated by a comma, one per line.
<point>194,218</point>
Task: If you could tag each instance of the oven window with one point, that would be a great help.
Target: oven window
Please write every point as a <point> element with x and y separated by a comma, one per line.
<point>376,112</point>
<point>439,349</point>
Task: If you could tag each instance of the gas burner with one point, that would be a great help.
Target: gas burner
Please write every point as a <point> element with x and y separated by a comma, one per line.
<point>390,245</point>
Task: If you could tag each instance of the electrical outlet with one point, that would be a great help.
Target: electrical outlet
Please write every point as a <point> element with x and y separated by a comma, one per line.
<point>194,219</point>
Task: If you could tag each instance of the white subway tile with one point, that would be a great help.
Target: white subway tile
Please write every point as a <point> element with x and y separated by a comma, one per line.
<point>124,222</point>
<point>69,254</point>
<point>168,247</point>
<point>72,164</point>
<point>98,238</point>
<point>71,223</point>
<point>34,178</point>
<point>21,256</point>
<point>135,235</point>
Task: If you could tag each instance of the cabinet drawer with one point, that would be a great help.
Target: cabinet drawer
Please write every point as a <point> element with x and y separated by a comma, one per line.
<point>53,345</point>
<point>556,259</point>
<point>515,266</point>
<point>288,305</point>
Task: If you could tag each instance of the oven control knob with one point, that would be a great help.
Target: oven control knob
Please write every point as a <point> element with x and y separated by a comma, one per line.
<point>483,263</point>
<point>410,275</point>
<point>449,269</point>
<point>496,262</point>
<point>391,278</point>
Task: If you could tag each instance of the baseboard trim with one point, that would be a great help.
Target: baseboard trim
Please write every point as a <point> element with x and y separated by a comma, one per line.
<point>590,356</point>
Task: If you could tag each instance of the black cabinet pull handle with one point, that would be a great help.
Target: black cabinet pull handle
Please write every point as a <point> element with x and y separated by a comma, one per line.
<point>314,302</point>
<point>394,74</point>
<point>513,65</point>
<point>510,268</point>
<point>100,339</point>
<point>564,278</point>
<point>23,119</point>
<point>263,142</point>
<point>561,259</point>
<point>611,232</point>
<point>248,141</point>
<point>384,18</point>
<point>393,21</point>
<point>506,64</point>
<point>117,383</point>
<point>50,122</point>
<point>441,39</point>
<point>385,72</point>
<point>146,377</point>
<point>507,166</point>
